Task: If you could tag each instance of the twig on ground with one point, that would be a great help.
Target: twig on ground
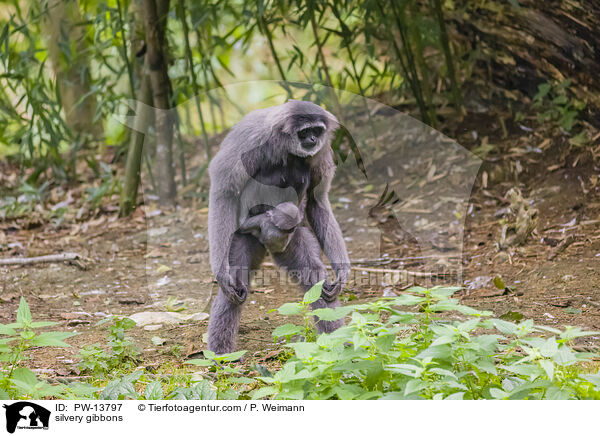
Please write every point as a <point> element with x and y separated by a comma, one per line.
<point>389,271</point>
<point>78,260</point>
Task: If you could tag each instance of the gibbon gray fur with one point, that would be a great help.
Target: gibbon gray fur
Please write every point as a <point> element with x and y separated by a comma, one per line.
<point>273,156</point>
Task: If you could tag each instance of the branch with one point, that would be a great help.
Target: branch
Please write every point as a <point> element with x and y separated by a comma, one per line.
<point>78,260</point>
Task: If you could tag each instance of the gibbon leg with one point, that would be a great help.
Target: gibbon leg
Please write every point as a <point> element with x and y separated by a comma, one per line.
<point>245,255</point>
<point>302,260</point>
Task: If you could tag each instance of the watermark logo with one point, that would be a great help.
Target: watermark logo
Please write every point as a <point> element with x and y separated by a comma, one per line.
<point>26,415</point>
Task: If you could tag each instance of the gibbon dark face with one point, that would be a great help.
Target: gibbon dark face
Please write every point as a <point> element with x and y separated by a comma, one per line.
<point>310,136</point>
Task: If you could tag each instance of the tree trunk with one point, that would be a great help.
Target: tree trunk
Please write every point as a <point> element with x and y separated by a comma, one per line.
<point>67,47</point>
<point>160,85</point>
<point>143,116</point>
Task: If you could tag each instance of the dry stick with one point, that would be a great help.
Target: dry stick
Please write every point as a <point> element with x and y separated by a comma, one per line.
<point>400,271</point>
<point>386,271</point>
<point>74,258</point>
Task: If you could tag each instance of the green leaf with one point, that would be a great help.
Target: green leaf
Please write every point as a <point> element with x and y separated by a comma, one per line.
<point>40,324</point>
<point>443,340</point>
<point>26,376</point>
<point>51,339</point>
<point>414,385</point>
<point>498,394</point>
<point>23,313</point>
<point>329,314</point>
<point>304,350</point>
<point>594,379</point>
<point>290,309</point>
<point>445,291</point>
<point>6,330</point>
<point>264,392</point>
<point>154,391</point>
<point>549,348</point>
<point>548,366</point>
<point>314,293</point>
<point>127,323</point>
<point>508,328</point>
<point>512,316</point>
<point>287,330</point>
<point>468,325</point>
<point>203,391</point>
<point>231,357</point>
<point>200,362</point>
<point>209,354</point>
<point>118,389</point>
<point>408,300</point>
<point>499,283</point>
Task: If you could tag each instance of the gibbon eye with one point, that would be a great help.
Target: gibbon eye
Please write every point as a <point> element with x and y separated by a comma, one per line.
<point>304,133</point>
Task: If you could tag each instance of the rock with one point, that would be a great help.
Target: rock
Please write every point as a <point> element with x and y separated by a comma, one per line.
<point>478,282</point>
<point>389,292</point>
<point>150,320</point>
<point>156,340</point>
<point>157,231</point>
<point>165,280</point>
<point>153,318</point>
<point>199,316</point>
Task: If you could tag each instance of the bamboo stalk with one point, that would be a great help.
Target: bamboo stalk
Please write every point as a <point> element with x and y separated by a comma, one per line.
<point>437,6</point>
<point>160,84</point>
<point>190,61</point>
<point>136,144</point>
<point>400,19</point>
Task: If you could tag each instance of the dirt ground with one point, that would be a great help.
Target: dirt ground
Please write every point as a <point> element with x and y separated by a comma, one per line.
<point>139,262</point>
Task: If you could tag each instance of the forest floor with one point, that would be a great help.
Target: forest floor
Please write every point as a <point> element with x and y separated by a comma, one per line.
<point>157,258</point>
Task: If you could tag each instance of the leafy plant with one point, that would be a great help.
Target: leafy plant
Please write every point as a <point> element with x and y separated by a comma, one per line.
<point>122,355</point>
<point>387,352</point>
<point>302,308</point>
<point>555,104</point>
<point>227,375</point>
<point>18,337</point>
<point>108,186</point>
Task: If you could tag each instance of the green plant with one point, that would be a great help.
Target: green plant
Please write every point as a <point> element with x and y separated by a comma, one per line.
<point>108,186</point>
<point>122,355</point>
<point>125,388</point>
<point>386,352</point>
<point>555,104</point>
<point>227,375</point>
<point>302,308</point>
<point>18,337</point>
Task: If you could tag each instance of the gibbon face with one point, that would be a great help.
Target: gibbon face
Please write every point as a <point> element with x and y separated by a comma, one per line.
<point>306,127</point>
